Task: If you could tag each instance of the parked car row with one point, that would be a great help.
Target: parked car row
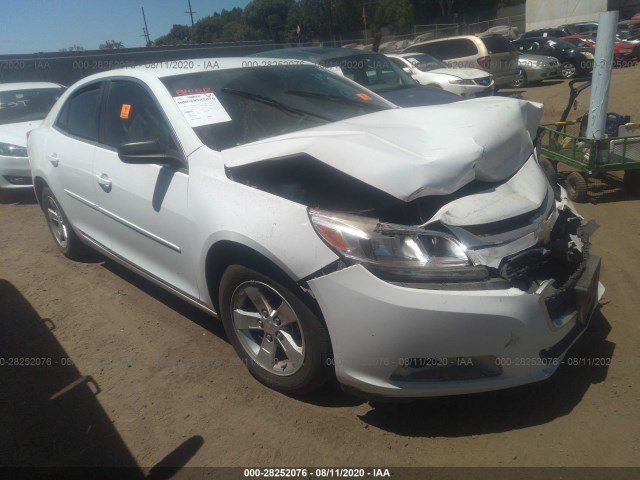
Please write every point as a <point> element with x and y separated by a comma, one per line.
<point>407,252</point>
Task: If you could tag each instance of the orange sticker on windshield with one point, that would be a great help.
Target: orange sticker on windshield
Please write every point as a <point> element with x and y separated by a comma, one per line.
<point>363,96</point>
<point>124,111</point>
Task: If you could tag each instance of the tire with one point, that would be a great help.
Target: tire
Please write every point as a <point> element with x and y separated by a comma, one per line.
<point>283,343</point>
<point>65,238</point>
<point>632,182</point>
<point>549,170</point>
<point>576,185</point>
<point>521,82</point>
<point>568,70</point>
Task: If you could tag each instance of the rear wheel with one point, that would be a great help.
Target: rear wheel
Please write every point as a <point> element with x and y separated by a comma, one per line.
<point>279,338</point>
<point>576,185</point>
<point>66,239</point>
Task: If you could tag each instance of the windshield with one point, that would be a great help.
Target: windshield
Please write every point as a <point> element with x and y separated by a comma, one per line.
<point>232,107</point>
<point>425,63</point>
<point>374,71</point>
<point>26,105</point>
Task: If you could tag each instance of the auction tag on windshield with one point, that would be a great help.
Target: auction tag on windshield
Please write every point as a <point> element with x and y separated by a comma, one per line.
<point>363,96</point>
<point>124,111</point>
<point>336,69</point>
<point>202,109</point>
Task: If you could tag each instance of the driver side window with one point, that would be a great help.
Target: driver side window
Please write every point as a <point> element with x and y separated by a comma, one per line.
<point>133,116</point>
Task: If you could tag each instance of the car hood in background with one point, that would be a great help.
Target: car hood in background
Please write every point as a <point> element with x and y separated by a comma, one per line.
<point>464,73</point>
<point>415,152</point>
<point>531,58</point>
<point>16,133</point>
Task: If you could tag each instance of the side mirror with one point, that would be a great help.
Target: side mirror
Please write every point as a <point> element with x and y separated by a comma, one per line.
<point>149,152</point>
<point>407,70</point>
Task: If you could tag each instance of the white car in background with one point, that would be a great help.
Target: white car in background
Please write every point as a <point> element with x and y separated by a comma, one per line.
<point>22,108</point>
<point>466,82</point>
<point>410,252</point>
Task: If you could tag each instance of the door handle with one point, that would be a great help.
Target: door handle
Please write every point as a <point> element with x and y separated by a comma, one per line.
<point>104,181</point>
<point>53,159</point>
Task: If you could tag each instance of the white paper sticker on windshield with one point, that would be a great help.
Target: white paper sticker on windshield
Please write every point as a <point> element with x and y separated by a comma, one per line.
<point>202,109</point>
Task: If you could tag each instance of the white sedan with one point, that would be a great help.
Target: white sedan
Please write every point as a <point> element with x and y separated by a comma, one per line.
<point>22,108</point>
<point>404,251</point>
<point>427,70</point>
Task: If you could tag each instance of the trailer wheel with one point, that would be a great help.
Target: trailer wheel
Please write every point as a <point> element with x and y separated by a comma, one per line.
<point>576,185</point>
<point>632,182</point>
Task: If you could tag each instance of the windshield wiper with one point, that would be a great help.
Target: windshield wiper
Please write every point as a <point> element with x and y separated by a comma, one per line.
<point>334,98</point>
<point>273,103</point>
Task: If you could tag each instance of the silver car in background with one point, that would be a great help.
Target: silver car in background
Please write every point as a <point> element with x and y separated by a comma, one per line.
<point>535,68</point>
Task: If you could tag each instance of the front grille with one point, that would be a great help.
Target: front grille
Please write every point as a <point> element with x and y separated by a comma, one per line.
<point>502,226</point>
<point>484,81</point>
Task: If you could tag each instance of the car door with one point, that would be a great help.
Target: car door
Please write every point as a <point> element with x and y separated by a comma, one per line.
<point>144,205</point>
<point>70,148</point>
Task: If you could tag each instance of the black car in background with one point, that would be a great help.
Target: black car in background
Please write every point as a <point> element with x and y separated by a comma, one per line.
<point>372,70</point>
<point>574,61</point>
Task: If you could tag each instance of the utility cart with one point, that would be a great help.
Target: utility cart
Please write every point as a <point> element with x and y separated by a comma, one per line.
<point>565,142</point>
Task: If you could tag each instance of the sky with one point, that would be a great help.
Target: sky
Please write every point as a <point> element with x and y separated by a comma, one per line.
<point>30,26</point>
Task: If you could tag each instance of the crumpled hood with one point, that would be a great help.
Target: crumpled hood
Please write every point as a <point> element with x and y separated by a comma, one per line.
<point>16,133</point>
<point>415,152</point>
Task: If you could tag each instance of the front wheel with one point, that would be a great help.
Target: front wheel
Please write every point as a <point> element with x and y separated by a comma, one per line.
<point>66,239</point>
<point>576,185</point>
<point>521,81</point>
<point>283,343</point>
<point>568,70</point>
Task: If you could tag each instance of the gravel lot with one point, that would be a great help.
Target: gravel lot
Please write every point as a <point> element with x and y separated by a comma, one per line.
<point>142,379</point>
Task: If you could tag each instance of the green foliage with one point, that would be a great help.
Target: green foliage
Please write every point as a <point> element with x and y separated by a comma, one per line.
<point>395,14</point>
<point>111,45</point>
<point>178,35</point>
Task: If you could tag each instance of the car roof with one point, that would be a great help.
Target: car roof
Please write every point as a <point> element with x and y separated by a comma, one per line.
<point>172,68</point>
<point>6,87</point>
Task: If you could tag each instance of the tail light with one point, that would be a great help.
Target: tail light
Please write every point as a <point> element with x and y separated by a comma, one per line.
<point>485,62</point>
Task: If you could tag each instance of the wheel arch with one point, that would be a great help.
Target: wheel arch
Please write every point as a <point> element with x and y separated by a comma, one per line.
<point>227,252</point>
<point>38,184</point>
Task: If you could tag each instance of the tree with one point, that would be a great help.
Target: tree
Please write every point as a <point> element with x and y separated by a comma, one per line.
<point>111,45</point>
<point>72,48</point>
<point>396,14</point>
<point>269,17</point>
<point>178,35</point>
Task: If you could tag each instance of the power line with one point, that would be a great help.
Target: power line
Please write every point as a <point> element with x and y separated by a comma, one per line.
<point>190,12</point>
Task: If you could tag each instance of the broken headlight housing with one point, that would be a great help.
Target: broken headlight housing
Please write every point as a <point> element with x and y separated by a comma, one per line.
<point>396,252</point>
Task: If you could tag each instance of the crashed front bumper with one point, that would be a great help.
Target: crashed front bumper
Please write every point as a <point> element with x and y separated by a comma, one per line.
<point>392,341</point>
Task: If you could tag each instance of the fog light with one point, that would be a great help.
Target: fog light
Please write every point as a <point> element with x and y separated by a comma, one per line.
<point>18,180</point>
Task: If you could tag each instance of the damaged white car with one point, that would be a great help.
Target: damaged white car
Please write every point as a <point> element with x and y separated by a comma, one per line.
<point>409,252</point>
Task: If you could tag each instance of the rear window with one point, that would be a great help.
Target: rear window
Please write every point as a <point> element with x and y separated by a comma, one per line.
<point>27,105</point>
<point>447,49</point>
<point>497,44</point>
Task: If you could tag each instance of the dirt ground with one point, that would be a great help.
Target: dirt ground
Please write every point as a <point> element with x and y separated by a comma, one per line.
<point>137,377</point>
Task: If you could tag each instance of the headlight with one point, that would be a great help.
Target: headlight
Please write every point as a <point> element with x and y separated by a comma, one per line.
<point>398,250</point>
<point>9,150</point>
<point>588,55</point>
<point>461,81</point>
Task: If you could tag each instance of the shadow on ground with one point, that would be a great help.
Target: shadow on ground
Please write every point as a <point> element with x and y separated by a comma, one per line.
<point>51,414</point>
<point>505,410</point>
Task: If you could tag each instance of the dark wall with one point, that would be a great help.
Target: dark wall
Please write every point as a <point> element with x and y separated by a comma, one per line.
<point>68,67</point>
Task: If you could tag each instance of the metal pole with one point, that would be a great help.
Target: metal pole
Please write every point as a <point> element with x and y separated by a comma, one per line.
<point>146,29</point>
<point>601,77</point>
